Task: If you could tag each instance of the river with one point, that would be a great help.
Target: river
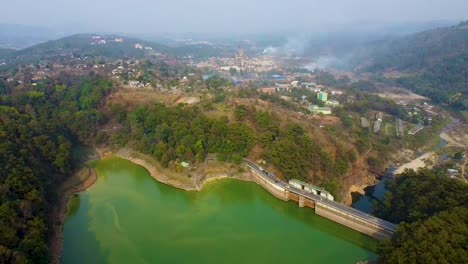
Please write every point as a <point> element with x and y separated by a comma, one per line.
<point>377,192</point>
<point>128,217</point>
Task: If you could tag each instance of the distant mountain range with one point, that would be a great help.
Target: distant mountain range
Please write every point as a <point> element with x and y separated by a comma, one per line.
<point>90,45</point>
<point>433,63</point>
<point>421,50</point>
<point>110,46</point>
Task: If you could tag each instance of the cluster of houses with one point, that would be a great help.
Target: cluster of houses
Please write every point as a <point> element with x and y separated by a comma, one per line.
<point>377,125</point>
<point>378,122</point>
<point>399,126</point>
<point>99,40</point>
<point>322,95</point>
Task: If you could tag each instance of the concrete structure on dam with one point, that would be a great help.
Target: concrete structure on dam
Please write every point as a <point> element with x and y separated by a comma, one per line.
<point>342,214</point>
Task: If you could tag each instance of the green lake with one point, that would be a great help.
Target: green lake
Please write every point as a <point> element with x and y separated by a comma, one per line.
<point>128,217</point>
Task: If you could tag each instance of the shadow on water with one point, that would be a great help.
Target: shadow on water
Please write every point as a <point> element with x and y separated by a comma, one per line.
<point>80,245</point>
<point>374,194</point>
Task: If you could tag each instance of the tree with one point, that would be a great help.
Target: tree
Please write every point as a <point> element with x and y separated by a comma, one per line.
<point>442,238</point>
<point>433,215</point>
<point>240,112</point>
<point>415,196</point>
<point>233,71</point>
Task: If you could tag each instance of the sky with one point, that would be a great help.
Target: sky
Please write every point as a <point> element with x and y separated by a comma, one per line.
<point>242,16</point>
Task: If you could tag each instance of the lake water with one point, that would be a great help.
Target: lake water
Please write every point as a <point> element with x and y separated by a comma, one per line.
<point>128,217</point>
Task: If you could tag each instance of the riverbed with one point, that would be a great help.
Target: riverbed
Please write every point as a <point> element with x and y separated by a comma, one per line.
<point>128,217</point>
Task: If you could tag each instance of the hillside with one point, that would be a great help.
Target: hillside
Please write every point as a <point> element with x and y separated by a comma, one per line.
<point>421,50</point>
<point>5,52</point>
<point>87,45</point>
<point>434,63</point>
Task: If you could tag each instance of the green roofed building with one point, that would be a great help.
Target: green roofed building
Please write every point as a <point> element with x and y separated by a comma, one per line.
<point>315,109</point>
<point>311,189</point>
<point>322,96</point>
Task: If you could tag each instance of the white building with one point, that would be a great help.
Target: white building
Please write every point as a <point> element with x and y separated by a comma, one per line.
<point>309,188</point>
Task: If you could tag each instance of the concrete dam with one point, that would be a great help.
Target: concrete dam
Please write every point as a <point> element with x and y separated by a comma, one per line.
<point>342,214</point>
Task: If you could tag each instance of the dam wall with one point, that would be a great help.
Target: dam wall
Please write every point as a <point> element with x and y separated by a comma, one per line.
<point>270,186</point>
<point>348,217</point>
<point>351,222</point>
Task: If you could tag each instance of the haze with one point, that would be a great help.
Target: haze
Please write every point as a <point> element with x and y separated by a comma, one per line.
<point>146,16</point>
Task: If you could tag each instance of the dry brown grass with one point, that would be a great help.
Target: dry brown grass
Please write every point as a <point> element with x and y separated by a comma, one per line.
<point>130,98</point>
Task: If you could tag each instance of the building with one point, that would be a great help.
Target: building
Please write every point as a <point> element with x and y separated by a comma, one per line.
<point>399,128</point>
<point>241,59</point>
<point>336,92</point>
<point>280,86</point>
<point>228,68</point>
<point>311,189</point>
<point>379,116</point>
<point>315,109</point>
<point>134,83</point>
<point>308,84</point>
<point>322,96</point>
<point>377,126</point>
<point>416,129</point>
<point>268,90</point>
<point>332,103</point>
<point>278,77</point>
<point>364,122</point>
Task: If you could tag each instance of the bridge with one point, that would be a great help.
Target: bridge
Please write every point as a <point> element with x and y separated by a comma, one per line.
<point>345,215</point>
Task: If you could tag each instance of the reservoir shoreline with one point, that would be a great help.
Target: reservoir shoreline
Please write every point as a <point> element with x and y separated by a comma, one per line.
<point>60,211</point>
<point>119,220</point>
<point>175,180</point>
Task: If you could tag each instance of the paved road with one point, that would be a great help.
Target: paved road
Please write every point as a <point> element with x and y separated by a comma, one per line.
<point>335,205</point>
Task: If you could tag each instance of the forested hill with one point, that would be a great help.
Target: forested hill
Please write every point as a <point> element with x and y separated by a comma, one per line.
<point>87,45</point>
<point>38,130</point>
<point>107,46</point>
<point>5,52</point>
<point>421,50</point>
<point>434,63</point>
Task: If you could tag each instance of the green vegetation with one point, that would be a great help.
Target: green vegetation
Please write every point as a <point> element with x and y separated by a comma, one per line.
<point>440,239</point>
<point>38,129</point>
<point>415,196</point>
<point>184,134</point>
<point>327,79</point>
<point>277,100</point>
<point>365,102</point>
<point>433,210</point>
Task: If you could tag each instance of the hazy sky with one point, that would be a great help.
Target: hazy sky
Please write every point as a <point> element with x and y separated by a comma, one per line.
<point>156,16</point>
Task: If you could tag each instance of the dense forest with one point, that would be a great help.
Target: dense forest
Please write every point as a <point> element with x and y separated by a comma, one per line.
<point>432,211</point>
<point>185,133</point>
<point>38,130</point>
